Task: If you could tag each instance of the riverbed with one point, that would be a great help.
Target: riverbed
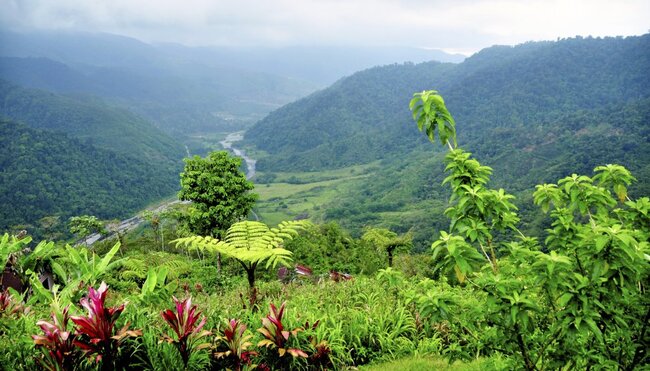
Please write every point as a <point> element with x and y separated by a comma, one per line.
<point>228,142</point>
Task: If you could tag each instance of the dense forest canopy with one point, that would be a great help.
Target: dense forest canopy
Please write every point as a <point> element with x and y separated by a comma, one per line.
<point>92,120</point>
<point>48,177</point>
<point>363,118</point>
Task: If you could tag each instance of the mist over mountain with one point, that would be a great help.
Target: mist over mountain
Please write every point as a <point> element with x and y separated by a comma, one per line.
<point>322,65</point>
<point>365,117</point>
<point>180,95</point>
<point>535,113</point>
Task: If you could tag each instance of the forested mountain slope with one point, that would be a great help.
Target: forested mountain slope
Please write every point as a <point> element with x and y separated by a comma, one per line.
<point>365,117</point>
<point>45,173</point>
<point>90,120</point>
<point>406,192</point>
<point>180,94</point>
<point>535,113</point>
<point>64,156</point>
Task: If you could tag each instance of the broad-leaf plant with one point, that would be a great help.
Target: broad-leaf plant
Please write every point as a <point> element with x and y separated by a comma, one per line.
<point>573,298</point>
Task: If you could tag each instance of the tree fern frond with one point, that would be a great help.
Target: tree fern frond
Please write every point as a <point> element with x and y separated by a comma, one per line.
<point>134,268</point>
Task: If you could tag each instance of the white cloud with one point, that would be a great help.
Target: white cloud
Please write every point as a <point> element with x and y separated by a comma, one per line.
<point>460,25</point>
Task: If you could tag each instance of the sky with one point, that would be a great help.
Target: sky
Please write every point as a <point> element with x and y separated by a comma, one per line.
<point>462,26</point>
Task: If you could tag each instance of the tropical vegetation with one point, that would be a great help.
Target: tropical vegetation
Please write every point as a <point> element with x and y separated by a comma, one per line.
<point>487,295</point>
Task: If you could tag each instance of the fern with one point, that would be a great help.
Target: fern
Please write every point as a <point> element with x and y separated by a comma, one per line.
<point>137,266</point>
<point>134,269</point>
<point>251,243</point>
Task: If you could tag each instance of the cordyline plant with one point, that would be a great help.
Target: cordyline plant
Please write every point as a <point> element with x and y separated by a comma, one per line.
<point>276,337</point>
<point>187,328</point>
<point>57,343</point>
<point>9,306</point>
<point>237,354</point>
<point>96,333</point>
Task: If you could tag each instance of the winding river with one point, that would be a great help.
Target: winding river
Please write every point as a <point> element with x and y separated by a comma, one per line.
<point>227,144</point>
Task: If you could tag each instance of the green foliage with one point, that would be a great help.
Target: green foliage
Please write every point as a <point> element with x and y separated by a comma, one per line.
<point>10,246</point>
<point>75,268</point>
<point>16,328</point>
<point>49,176</point>
<point>219,192</point>
<point>155,288</point>
<point>387,240</point>
<point>250,243</point>
<point>328,247</point>
<point>85,225</point>
<point>431,115</point>
<point>584,303</point>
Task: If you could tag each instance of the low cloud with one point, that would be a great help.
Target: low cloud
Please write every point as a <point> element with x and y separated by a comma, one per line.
<point>460,25</point>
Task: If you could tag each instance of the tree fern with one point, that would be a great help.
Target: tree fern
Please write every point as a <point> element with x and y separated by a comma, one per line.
<point>250,243</point>
<point>134,269</point>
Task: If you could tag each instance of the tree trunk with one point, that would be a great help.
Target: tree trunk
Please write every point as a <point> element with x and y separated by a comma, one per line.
<point>252,291</point>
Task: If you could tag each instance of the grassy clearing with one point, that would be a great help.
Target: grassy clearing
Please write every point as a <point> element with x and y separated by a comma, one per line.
<point>294,194</point>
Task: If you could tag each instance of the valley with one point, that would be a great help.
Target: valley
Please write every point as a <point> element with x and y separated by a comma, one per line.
<point>498,222</point>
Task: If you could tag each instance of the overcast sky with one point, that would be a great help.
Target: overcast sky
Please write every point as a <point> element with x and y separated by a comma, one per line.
<point>452,25</point>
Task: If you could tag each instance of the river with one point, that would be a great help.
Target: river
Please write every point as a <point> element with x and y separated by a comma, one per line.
<point>227,144</point>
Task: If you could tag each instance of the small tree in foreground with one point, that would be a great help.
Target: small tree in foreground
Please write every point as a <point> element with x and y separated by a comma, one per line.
<point>251,244</point>
<point>578,300</point>
<point>388,241</point>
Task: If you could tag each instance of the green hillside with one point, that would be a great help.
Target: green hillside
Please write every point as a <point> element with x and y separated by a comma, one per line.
<point>535,113</point>
<point>45,173</point>
<point>365,117</point>
<point>90,120</point>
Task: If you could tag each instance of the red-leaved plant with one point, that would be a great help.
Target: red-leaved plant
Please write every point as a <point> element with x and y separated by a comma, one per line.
<point>96,333</point>
<point>9,306</point>
<point>233,339</point>
<point>184,323</point>
<point>320,358</point>
<point>275,336</point>
<point>59,351</point>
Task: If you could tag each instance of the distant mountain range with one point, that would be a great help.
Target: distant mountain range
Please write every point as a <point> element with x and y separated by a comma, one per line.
<point>365,117</point>
<point>535,113</point>
<point>183,89</point>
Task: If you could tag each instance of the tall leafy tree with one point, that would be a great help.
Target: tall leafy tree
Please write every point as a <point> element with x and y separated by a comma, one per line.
<point>219,191</point>
<point>85,225</point>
